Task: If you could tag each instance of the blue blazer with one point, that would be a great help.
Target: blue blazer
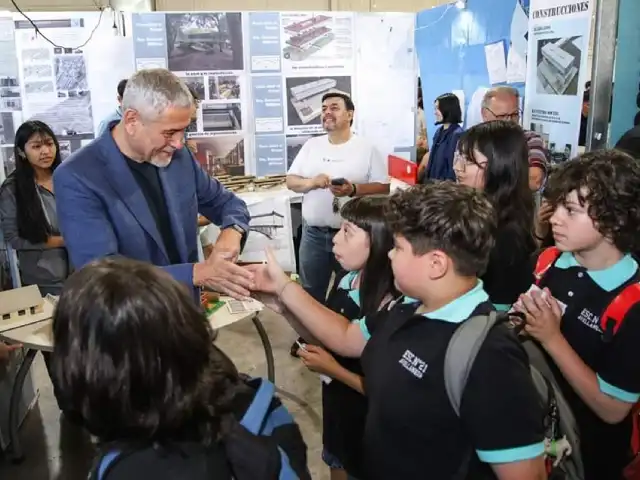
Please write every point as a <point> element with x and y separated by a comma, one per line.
<point>443,147</point>
<point>103,212</point>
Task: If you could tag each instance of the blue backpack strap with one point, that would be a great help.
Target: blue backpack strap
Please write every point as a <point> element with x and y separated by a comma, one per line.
<point>286,471</point>
<point>106,462</point>
<point>253,418</point>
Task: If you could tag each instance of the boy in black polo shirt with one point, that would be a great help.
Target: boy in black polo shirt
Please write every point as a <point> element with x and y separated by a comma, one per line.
<point>443,235</point>
<point>595,226</point>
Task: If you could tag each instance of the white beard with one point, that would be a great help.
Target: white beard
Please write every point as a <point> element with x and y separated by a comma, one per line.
<point>156,162</point>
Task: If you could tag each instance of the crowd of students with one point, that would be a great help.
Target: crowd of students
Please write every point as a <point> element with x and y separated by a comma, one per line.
<point>135,363</point>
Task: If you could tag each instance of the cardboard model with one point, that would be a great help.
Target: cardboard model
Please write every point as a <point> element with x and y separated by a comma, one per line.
<point>23,306</point>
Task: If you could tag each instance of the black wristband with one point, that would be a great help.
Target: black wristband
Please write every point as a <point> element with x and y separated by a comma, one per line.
<point>353,190</point>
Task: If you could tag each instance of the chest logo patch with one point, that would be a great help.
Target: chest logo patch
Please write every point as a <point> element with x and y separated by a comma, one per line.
<point>590,320</point>
<point>413,364</point>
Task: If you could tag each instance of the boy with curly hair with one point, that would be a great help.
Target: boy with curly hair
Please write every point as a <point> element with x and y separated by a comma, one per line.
<point>594,225</point>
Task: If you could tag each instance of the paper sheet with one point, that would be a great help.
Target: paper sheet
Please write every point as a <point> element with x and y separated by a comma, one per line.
<point>516,67</point>
<point>519,30</point>
<point>496,62</point>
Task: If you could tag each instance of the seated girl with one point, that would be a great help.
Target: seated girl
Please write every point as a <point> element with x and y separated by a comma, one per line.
<point>135,364</point>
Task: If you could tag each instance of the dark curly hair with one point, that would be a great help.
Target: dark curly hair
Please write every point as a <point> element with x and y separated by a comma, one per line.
<point>446,216</point>
<point>608,182</point>
<point>135,362</point>
<point>377,282</point>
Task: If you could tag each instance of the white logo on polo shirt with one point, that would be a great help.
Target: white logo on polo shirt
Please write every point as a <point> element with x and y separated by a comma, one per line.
<point>414,364</point>
<point>590,319</point>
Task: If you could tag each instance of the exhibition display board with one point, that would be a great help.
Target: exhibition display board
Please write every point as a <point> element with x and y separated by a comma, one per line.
<point>260,77</point>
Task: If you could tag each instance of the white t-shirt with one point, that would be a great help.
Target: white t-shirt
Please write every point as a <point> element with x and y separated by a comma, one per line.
<point>356,160</point>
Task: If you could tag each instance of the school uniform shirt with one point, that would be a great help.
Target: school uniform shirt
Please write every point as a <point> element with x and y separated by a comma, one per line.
<point>344,410</point>
<point>412,430</point>
<point>587,294</point>
<point>510,269</point>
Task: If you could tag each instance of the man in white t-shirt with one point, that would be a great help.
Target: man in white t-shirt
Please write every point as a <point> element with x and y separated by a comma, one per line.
<point>340,156</point>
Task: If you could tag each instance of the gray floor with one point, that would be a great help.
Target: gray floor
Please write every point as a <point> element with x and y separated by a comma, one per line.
<point>54,451</point>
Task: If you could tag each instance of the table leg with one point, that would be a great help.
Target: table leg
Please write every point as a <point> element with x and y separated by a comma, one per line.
<point>266,344</point>
<point>14,405</point>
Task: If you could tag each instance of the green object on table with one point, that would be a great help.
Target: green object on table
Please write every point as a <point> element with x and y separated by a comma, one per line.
<point>213,307</point>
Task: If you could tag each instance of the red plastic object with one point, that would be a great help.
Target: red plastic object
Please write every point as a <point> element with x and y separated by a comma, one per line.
<point>403,170</point>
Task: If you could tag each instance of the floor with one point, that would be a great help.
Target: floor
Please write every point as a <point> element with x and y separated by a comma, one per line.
<point>54,451</point>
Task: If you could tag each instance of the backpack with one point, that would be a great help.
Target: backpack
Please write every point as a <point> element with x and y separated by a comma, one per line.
<point>560,425</point>
<point>610,322</point>
<point>250,454</point>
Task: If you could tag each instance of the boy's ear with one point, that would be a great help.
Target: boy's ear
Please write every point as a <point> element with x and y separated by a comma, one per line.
<point>438,264</point>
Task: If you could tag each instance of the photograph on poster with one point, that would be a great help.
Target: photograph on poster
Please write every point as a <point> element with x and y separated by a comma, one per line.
<point>10,93</point>
<point>35,55</point>
<point>35,87</point>
<point>222,155</point>
<point>558,65</point>
<point>221,117</point>
<point>9,122</point>
<point>294,144</point>
<point>557,153</point>
<point>71,72</point>
<point>37,71</point>
<point>65,149</point>
<point>204,41</point>
<point>304,97</point>
<point>8,159</point>
<point>196,84</point>
<point>78,117</point>
<point>224,87</point>
<point>317,40</point>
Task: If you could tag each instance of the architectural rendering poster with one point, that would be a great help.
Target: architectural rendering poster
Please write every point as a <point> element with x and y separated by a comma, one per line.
<point>559,32</point>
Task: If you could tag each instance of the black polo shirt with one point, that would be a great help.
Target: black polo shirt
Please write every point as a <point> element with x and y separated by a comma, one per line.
<point>148,178</point>
<point>344,410</point>
<point>412,431</point>
<point>605,447</point>
<point>510,268</point>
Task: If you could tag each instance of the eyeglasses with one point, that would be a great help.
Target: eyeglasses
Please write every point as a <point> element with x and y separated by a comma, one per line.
<point>461,161</point>
<point>506,116</point>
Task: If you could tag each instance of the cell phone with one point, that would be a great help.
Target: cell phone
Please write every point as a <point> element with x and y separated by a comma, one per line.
<point>338,181</point>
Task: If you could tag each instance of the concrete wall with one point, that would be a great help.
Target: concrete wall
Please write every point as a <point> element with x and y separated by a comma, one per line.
<point>221,5</point>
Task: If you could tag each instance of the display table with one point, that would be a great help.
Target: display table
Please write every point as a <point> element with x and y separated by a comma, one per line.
<point>38,337</point>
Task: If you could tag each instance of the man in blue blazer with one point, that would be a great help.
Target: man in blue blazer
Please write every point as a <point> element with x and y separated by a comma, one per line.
<point>136,191</point>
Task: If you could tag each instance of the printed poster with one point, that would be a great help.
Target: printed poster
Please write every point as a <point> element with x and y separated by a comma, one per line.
<point>559,32</point>
<point>53,78</point>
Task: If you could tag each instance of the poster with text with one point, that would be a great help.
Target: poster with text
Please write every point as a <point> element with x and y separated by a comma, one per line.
<point>317,41</point>
<point>221,155</point>
<point>53,72</point>
<point>559,32</point>
<point>10,95</point>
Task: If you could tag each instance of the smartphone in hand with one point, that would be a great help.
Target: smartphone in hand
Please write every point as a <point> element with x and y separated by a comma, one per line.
<point>336,182</point>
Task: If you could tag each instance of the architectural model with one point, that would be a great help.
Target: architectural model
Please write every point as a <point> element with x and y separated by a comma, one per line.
<point>307,98</point>
<point>23,306</point>
<point>557,69</point>
<point>307,37</point>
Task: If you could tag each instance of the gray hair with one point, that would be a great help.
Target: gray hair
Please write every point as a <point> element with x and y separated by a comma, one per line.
<point>501,91</point>
<point>150,92</point>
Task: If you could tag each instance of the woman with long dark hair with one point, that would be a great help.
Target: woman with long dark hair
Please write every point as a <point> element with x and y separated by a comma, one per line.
<point>28,209</point>
<point>437,163</point>
<point>493,157</point>
<point>361,247</point>
<point>135,364</point>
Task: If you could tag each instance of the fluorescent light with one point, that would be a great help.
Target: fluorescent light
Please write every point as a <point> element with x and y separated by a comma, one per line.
<point>461,4</point>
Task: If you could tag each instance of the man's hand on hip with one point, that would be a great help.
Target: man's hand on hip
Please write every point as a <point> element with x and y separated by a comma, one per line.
<point>224,276</point>
<point>228,244</point>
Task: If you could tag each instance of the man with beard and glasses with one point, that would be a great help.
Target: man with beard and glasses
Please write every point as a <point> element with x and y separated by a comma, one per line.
<point>136,191</point>
<point>328,170</point>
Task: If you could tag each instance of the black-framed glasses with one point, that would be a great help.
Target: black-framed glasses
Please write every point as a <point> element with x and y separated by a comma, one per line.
<point>506,116</point>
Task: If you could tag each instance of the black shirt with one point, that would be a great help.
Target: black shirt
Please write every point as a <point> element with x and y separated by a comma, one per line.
<point>344,410</point>
<point>148,178</point>
<point>510,269</point>
<point>605,447</point>
<point>412,431</point>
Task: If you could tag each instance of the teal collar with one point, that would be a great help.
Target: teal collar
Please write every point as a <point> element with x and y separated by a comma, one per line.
<point>346,283</point>
<point>608,279</point>
<point>462,307</point>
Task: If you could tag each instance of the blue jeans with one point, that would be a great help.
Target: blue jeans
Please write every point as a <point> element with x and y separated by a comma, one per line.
<point>317,261</point>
